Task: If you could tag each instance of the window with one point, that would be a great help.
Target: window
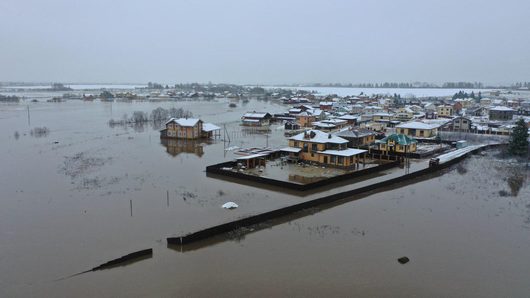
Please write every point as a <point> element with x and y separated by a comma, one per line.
<point>314,147</point>
<point>341,160</point>
<point>305,148</point>
<point>296,144</point>
<point>333,159</point>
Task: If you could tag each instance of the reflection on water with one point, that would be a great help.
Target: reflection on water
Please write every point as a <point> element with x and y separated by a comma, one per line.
<point>176,146</point>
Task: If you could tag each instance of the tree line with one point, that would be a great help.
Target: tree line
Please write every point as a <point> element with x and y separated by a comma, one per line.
<point>157,116</point>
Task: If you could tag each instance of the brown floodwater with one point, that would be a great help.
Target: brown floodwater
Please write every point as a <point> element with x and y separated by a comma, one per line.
<point>66,197</point>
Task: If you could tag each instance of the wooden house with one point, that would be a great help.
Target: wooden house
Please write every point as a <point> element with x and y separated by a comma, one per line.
<point>323,148</point>
<point>417,129</point>
<point>326,105</point>
<point>357,136</point>
<point>501,113</point>
<point>305,119</point>
<point>462,124</point>
<point>445,110</point>
<point>184,128</point>
<point>256,119</point>
<point>188,128</point>
<point>397,143</point>
<point>404,114</point>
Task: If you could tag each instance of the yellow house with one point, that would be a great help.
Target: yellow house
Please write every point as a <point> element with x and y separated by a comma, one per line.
<point>189,128</point>
<point>184,128</point>
<point>445,111</point>
<point>397,143</point>
<point>417,129</point>
<point>323,148</point>
<point>305,119</point>
<point>382,117</point>
<point>404,114</point>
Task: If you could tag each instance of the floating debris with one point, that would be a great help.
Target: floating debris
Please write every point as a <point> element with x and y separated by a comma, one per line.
<point>230,205</point>
<point>403,260</point>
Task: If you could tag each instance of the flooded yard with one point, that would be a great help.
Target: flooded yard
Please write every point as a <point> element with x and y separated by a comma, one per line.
<point>80,193</point>
<point>302,173</point>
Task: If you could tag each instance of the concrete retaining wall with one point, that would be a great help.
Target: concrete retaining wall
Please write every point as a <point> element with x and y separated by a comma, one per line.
<point>218,169</point>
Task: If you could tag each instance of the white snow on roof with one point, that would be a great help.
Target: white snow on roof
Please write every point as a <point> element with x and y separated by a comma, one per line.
<point>184,121</point>
<point>229,205</point>
<point>334,121</point>
<point>348,117</point>
<point>346,152</point>
<point>251,156</point>
<point>291,149</point>
<point>324,125</point>
<point>383,114</point>
<point>417,125</point>
<point>320,137</point>
<point>210,127</point>
<point>501,108</point>
<point>255,115</point>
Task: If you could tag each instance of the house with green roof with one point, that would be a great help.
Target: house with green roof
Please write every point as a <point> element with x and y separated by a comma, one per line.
<point>397,143</point>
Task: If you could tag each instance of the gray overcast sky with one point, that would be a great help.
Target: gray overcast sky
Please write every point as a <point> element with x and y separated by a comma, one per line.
<point>244,41</point>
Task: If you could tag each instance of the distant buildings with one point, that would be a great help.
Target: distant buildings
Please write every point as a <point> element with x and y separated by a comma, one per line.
<point>501,113</point>
<point>404,114</point>
<point>445,111</point>
<point>326,105</point>
<point>462,124</point>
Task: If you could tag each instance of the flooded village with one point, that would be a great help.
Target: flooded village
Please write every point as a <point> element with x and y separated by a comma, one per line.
<point>264,148</point>
<point>360,175</point>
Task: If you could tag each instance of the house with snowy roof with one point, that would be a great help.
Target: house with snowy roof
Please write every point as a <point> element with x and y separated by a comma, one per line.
<point>188,128</point>
<point>404,114</point>
<point>418,129</point>
<point>501,113</point>
<point>326,105</point>
<point>323,148</point>
<point>397,143</point>
<point>445,110</point>
<point>357,136</point>
<point>256,119</point>
<point>459,123</point>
